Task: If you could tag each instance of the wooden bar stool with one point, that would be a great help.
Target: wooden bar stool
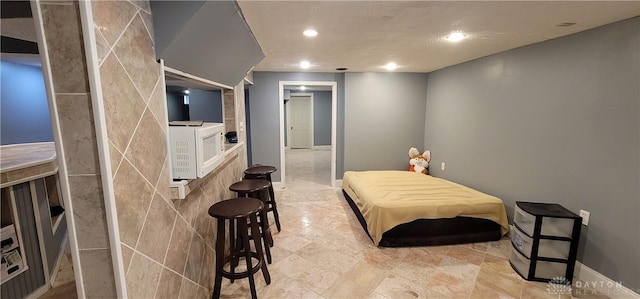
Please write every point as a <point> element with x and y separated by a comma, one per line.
<point>239,211</point>
<point>264,172</point>
<point>257,189</point>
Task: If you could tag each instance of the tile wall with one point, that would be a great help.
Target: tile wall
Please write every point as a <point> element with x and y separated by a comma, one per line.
<point>72,100</point>
<point>167,244</point>
<point>229,111</point>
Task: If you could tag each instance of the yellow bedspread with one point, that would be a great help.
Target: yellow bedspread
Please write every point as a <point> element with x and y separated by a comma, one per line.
<point>390,198</point>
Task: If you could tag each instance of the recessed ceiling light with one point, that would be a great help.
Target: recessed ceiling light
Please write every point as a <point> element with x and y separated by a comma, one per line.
<point>305,64</point>
<point>391,66</point>
<point>456,36</point>
<point>303,87</point>
<point>186,91</point>
<point>310,33</point>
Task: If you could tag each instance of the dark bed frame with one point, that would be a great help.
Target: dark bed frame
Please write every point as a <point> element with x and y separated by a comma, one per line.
<point>429,232</point>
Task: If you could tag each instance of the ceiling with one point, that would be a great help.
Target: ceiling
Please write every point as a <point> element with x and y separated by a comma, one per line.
<point>365,35</point>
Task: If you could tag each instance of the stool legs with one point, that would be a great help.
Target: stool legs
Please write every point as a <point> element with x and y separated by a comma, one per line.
<point>219,259</point>
<point>234,246</point>
<point>266,235</point>
<point>256,230</point>
<point>243,230</point>
<point>241,245</point>
<point>264,225</point>
<point>273,203</point>
<point>265,221</point>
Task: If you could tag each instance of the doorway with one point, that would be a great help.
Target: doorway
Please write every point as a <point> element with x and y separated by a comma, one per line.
<point>305,138</point>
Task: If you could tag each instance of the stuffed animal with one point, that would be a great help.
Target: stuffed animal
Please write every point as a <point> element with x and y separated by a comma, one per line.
<point>419,163</point>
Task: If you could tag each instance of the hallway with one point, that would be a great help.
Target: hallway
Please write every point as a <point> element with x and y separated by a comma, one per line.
<point>308,169</point>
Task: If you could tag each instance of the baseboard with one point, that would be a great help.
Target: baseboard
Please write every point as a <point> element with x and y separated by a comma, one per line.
<point>337,183</point>
<point>321,147</point>
<point>587,278</point>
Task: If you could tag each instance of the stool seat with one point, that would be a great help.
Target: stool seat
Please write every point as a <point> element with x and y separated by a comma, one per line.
<point>260,170</point>
<point>235,208</point>
<point>249,186</point>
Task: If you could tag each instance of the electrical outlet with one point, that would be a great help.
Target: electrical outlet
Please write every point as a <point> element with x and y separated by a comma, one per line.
<point>442,166</point>
<point>585,217</point>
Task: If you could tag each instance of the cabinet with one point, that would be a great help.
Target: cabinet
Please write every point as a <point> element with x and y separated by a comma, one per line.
<point>545,241</point>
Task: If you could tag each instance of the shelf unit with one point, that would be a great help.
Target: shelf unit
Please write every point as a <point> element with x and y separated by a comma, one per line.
<point>544,241</point>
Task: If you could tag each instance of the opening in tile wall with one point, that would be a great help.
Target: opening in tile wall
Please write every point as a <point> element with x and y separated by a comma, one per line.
<point>194,99</point>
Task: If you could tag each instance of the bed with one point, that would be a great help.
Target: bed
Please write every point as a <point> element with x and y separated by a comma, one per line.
<point>402,208</point>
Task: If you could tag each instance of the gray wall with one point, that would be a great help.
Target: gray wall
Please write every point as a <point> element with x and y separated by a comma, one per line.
<point>340,128</point>
<point>24,112</point>
<point>321,118</point>
<point>386,118</point>
<point>265,121</point>
<point>556,121</point>
<point>175,107</point>
<point>205,105</point>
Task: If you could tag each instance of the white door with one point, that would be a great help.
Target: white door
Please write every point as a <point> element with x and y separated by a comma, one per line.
<point>300,122</point>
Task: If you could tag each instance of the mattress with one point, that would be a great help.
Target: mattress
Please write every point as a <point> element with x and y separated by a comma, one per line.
<point>387,199</point>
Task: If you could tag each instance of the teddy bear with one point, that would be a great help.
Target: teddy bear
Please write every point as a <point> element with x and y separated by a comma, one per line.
<point>419,163</point>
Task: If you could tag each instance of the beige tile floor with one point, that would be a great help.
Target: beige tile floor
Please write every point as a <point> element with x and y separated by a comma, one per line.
<point>323,252</point>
